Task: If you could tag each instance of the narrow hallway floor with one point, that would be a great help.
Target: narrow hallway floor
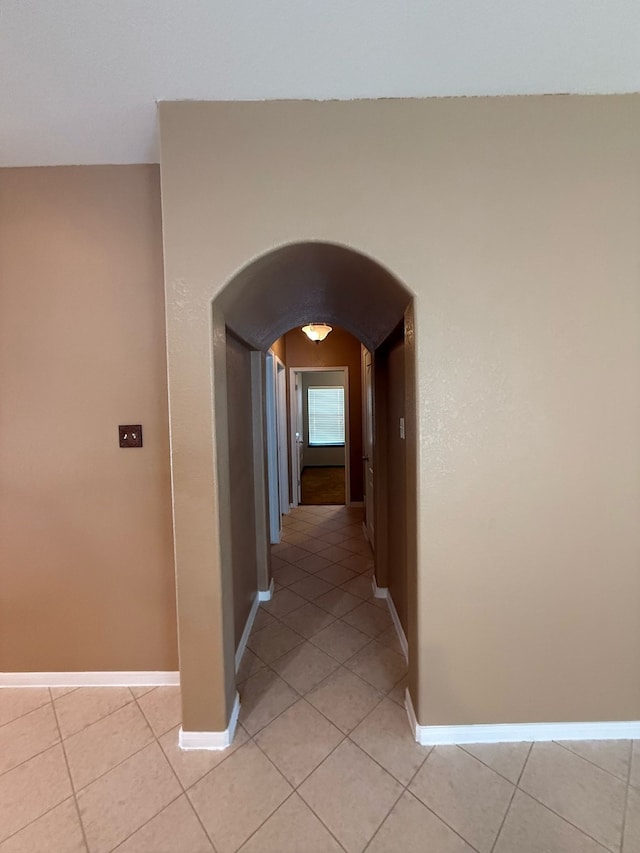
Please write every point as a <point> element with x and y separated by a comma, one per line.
<point>323,760</point>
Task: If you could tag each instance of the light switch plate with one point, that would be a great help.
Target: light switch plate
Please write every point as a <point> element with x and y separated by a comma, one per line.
<point>130,435</point>
<point>401,427</point>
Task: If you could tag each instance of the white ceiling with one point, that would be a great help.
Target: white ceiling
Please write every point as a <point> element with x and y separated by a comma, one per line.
<point>79,78</point>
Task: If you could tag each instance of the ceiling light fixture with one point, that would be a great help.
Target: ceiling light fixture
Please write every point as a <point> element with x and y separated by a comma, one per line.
<point>317,331</point>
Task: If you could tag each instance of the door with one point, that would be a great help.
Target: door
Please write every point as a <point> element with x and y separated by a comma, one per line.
<point>367,390</point>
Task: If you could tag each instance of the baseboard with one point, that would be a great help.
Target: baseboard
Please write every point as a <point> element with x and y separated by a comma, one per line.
<point>516,732</point>
<point>356,503</point>
<point>89,679</point>
<point>211,740</point>
<point>244,639</point>
<point>266,594</point>
<point>383,592</point>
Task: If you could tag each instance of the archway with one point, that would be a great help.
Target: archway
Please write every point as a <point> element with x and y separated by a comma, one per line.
<point>283,288</point>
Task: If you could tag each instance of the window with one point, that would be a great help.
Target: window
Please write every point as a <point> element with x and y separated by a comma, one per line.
<point>326,415</point>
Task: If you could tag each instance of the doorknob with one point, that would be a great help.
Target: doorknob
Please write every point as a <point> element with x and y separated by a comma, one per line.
<point>365,458</point>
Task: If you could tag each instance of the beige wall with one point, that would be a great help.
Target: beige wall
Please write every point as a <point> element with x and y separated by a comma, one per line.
<point>242,486</point>
<point>515,223</point>
<point>86,555</point>
<point>339,349</point>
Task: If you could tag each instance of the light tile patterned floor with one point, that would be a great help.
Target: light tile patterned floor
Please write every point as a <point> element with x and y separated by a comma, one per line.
<point>323,760</point>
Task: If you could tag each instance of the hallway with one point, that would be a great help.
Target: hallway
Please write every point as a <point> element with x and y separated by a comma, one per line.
<point>323,760</point>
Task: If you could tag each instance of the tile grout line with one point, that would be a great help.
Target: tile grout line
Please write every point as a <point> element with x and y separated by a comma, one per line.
<point>513,793</point>
<point>295,788</point>
<point>626,797</point>
<point>557,814</point>
<point>71,783</point>
<point>180,785</point>
<point>592,763</point>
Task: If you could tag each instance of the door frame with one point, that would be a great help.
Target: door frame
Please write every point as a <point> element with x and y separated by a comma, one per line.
<point>293,412</point>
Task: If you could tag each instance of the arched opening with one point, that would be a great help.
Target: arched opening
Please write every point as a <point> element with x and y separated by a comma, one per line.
<point>280,291</point>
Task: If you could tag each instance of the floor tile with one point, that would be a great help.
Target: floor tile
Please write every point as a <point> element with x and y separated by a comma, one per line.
<point>334,553</point>
<point>357,562</point>
<point>384,734</point>
<point>99,747</point>
<point>586,796</point>
<point>340,640</point>
<point>57,692</point>
<point>176,828</point>
<point>398,692</point>
<point>614,756</point>
<point>87,705</point>
<point>162,708</point>
<point>262,619</point>
<point>304,667</point>
<point>312,563</point>
<point>465,794</point>
<point>190,765</point>
<point>298,740</point>
<point>369,619</point>
<point>351,794</point>
<point>344,698</point>
<point>389,638</point>
<point>507,759</point>
<point>140,691</point>
<point>412,828</point>
<point>31,789</point>
<point>234,799</point>
<point>360,586</point>
<point>249,665</point>
<point>262,698</point>
<point>634,777</point>
<point>532,828</point>
<point>308,620</point>
<point>293,828</point>
<point>119,803</point>
<point>338,602</point>
<point>311,587</point>
<point>314,546</point>
<point>272,642</point>
<point>631,840</point>
<point>58,831</point>
<point>288,574</point>
<point>336,574</point>
<point>26,736</point>
<point>379,665</point>
<point>283,602</point>
<point>290,553</point>
<point>16,701</point>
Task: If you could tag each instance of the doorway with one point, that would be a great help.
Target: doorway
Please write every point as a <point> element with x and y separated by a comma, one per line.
<point>277,444</point>
<point>320,449</point>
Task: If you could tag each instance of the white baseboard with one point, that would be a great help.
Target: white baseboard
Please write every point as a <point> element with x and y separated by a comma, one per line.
<point>261,595</point>
<point>266,594</point>
<point>89,679</point>
<point>244,639</point>
<point>383,592</point>
<point>211,740</point>
<point>356,503</point>
<point>516,732</point>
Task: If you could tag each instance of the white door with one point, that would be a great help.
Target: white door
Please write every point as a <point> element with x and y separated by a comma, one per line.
<point>367,459</point>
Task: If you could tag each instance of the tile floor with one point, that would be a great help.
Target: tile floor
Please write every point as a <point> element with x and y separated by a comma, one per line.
<point>323,760</point>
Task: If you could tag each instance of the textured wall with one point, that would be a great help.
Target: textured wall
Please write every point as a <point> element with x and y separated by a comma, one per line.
<point>86,554</point>
<point>514,221</point>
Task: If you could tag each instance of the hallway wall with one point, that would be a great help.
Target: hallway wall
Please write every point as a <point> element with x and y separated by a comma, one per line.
<point>514,221</point>
<point>241,480</point>
<point>86,552</point>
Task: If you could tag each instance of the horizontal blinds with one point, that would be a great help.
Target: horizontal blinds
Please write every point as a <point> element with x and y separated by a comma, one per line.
<point>326,415</point>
